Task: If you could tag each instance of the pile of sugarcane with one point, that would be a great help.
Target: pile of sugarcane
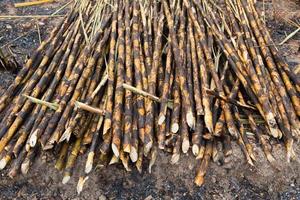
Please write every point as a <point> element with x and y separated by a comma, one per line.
<point>118,80</point>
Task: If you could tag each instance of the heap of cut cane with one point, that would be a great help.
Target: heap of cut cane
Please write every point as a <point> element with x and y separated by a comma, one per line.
<point>119,80</point>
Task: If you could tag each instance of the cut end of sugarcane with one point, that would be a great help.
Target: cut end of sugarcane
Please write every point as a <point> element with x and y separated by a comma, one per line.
<point>228,152</point>
<point>150,166</point>
<point>27,147</point>
<point>200,154</point>
<point>33,139</point>
<point>133,154</point>
<point>66,135</point>
<point>66,179</point>
<point>54,139</point>
<point>190,119</point>
<point>81,183</point>
<point>106,128</point>
<point>272,124</point>
<point>185,146</point>
<point>270,158</point>
<point>114,160</point>
<point>48,146</point>
<point>251,154</point>
<point>139,167</point>
<point>147,148</point>
<point>115,150</point>
<point>289,149</point>
<point>3,163</point>
<point>175,158</point>
<point>215,157</point>
<point>233,132</point>
<point>174,127</point>
<point>89,163</point>
<point>249,160</point>
<point>195,149</point>
<point>25,167</point>
<point>274,132</point>
<point>161,119</point>
<point>293,155</point>
<point>250,151</point>
<point>152,160</point>
<point>127,148</point>
<point>199,180</point>
<point>125,162</point>
<point>208,123</point>
<point>126,165</point>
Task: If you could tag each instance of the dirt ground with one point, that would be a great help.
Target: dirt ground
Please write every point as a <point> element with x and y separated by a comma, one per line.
<point>234,180</point>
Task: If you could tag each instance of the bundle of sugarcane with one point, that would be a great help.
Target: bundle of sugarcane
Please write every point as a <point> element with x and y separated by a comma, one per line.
<point>58,72</point>
<point>118,80</point>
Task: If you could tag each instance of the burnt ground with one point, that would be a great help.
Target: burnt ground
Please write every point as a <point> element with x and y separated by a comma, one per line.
<point>234,180</point>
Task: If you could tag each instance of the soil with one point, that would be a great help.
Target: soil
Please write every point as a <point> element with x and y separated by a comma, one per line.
<point>233,180</point>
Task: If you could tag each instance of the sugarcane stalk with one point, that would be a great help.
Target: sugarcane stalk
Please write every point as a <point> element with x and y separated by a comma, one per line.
<point>117,132</point>
<point>138,73</point>
<point>166,88</point>
<point>128,108</point>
